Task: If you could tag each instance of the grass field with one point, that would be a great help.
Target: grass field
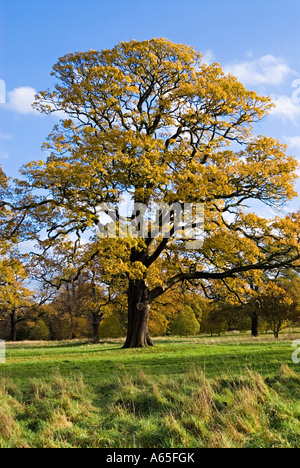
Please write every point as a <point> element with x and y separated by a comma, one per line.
<point>230,391</point>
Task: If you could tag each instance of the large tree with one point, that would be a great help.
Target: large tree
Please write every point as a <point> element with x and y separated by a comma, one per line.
<point>151,121</point>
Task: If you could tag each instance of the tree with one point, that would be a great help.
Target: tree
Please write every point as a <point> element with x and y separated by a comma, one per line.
<point>35,326</point>
<point>112,327</point>
<point>252,309</point>
<point>278,309</point>
<point>212,321</point>
<point>185,323</point>
<point>150,121</point>
<point>92,301</point>
<point>163,311</point>
<point>76,309</point>
<point>16,299</point>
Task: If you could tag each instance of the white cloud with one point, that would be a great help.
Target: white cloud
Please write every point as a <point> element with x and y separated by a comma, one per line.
<point>208,57</point>
<point>5,136</point>
<point>4,155</point>
<point>21,99</point>
<point>265,70</point>
<point>293,142</point>
<point>28,246</point>
<point>285,108</point>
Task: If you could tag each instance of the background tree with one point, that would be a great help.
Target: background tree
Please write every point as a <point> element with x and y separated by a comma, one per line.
<point>16,299</point>
<point>278,309</point>
<point>163,311</point>
<point>112,326</point>
<point>212,322</point>
<point>151,121</point>
<point>185,323</point>
<point>35,325</point>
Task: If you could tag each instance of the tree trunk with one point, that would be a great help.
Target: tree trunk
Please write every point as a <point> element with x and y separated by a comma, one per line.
<point>254,325</point>
<point>138,335</point>
<point>276,331</point>
<point>97,319</point>
<point>13,326</point>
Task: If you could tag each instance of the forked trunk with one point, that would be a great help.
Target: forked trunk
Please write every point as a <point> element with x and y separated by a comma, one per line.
<point>138,335</point>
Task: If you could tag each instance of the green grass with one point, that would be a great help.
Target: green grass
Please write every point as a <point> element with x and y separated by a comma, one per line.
<point>231,391</point>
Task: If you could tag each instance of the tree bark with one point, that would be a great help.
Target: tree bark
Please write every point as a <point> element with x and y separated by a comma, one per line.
<point>97,319</point>
<point>13,326</point>
<point>138,335</point>
<point>254,325</point>
<point>276,331</point>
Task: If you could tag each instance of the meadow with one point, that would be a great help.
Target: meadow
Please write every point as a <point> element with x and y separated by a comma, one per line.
<point>229,391</point>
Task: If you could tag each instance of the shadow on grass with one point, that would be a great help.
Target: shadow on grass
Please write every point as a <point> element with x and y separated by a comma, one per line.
<point>58,344</point>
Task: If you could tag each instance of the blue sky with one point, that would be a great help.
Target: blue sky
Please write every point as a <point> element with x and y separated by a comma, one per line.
<point>258,41</point>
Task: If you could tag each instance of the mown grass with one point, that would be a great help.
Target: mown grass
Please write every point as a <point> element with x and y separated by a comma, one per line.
<point>201,392</point>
